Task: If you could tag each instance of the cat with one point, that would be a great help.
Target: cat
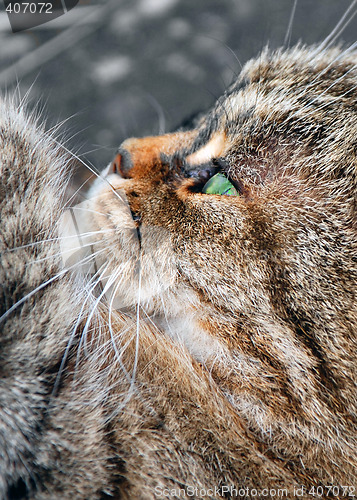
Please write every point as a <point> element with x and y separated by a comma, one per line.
<point>189,330</point>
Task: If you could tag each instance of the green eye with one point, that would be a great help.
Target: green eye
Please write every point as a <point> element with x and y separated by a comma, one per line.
<point>219,184</point>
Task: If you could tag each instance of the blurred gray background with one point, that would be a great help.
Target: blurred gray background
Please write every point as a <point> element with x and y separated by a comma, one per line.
<point>121,68</point>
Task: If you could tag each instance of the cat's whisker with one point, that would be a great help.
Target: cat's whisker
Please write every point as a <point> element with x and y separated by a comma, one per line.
<point>91,169</point>
<point>82,195</point>
<point>118,355</point>
<point>91,285</point>
<point>334,100</point>
<point>313,110</point>
<point>97,148</point>
<point>30,294</point>
<point>57,238</point>
<point>132,389</point>
<point>349,49</point>
<point>86,260</point>
<point>106,288</point>
<point>159,110</point>
<point>90,210</point>
<point>322,106</point>
<point>290,25</point>
<point>130,378</point>
<point>226,46</point>
<point>112,336</point>
<point>329,66</point>
<point>235,57</point>
<point>338,80</point>
<point>339,28</point>
<point>123,347</point>
<point>43,285</point>
<point>150,320</point>
<point>83,339</point>
<point>78,192</point>
<point>59,125</point>
<point>71,339</point>
<point>62,253</point>
<point>138,306</point>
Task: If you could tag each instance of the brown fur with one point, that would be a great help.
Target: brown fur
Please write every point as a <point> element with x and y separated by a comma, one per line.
<point>237,368</point>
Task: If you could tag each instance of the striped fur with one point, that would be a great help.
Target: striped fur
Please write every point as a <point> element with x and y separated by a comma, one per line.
<point>204,340</point>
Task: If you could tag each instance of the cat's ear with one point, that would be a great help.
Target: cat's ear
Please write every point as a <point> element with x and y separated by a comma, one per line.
<point>140,158</point>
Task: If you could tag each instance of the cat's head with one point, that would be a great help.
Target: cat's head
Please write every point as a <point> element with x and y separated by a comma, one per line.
<point>270,243</point>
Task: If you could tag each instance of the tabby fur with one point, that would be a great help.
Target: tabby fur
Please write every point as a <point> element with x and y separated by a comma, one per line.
<point>189,339</point>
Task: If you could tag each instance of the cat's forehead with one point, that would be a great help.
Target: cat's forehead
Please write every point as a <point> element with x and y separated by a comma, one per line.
<point>283,89</point>
<point>297,66</point>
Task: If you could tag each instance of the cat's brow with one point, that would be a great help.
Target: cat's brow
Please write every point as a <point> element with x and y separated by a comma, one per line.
<point>213,149</point>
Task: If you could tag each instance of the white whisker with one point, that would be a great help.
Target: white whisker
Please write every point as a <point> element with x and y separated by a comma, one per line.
<point>77,192</point>
<point>80,317</point>
<point>90,210</point>
<point>91,169</point>
<point>57,238</point>
<point>118,354</point>
<point>99,298</point>
<point>339,28</point>
<point>61,253</point>
<point>318,97</point>
<point>326,68</point>
<point>137,326</point>
<point>290,25</point>
<point>324,105</point>
<point>84,332</point>
<point>160,112</point>
<point>40,287</point>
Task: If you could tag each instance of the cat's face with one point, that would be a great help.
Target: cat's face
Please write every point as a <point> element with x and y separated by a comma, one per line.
<point>278,248</point>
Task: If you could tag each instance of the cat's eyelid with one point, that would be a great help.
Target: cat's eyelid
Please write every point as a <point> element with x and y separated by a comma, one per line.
<point>213,149</point>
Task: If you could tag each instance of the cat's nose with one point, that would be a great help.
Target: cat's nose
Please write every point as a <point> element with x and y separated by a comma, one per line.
<point>134,157</point>
<point>140,158</point>
<point>122,163</point>
<point>137,158</point>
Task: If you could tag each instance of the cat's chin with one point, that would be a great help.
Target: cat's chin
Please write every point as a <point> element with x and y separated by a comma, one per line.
<point>119,262</point>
